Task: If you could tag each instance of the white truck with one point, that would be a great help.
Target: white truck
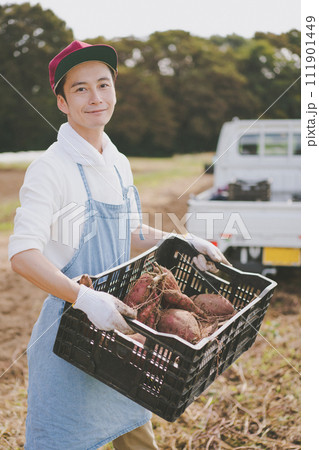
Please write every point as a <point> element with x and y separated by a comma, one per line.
<point>253,211</point>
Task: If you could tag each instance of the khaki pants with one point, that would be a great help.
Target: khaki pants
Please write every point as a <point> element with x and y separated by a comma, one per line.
<point>142,438</point>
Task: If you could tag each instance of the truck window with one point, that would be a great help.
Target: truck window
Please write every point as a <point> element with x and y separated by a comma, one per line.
<point>296,144</point>
<point>276,144</point>
<point>249,144</point>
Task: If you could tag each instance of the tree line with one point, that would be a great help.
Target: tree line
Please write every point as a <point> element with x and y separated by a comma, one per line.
<point>174,89</point>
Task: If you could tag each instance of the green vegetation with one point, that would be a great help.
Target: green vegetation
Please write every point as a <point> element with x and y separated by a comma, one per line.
<point>14,165</point>
<point>149,173</point>
<point>152,172</point>
<point>174,90</point>
<point>7,212</point>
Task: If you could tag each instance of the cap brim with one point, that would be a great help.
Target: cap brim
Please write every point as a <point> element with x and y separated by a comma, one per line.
<point>102,53</point>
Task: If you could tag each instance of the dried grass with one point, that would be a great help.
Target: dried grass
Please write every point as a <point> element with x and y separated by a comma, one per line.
<point>255,404</point>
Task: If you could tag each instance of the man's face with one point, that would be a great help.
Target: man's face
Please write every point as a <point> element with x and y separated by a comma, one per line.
<point>90,96</point>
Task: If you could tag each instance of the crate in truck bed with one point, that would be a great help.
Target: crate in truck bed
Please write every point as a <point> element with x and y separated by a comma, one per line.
<point>248,191</point>
<point>167,373</point>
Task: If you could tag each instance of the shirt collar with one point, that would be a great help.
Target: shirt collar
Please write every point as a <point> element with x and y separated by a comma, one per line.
<point>81,151</point>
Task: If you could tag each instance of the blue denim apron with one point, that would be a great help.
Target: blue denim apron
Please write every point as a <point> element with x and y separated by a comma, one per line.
<point>68,409</point>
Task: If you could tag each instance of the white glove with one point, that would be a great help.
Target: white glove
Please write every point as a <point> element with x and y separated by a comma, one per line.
<point>104,310</point>
<point>206,248</point>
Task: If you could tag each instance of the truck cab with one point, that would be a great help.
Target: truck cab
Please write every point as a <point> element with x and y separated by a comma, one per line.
<point>257,150</point>
<point>262,232</point>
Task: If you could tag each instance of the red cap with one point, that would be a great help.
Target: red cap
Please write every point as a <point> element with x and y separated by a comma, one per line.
<point>76,53</point>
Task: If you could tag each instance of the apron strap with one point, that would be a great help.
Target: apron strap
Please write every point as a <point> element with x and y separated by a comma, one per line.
<point>85,181</point>
<point>124,190</point>
<point>124,194</point>
<point>139,209</point>
<point>137,199</point>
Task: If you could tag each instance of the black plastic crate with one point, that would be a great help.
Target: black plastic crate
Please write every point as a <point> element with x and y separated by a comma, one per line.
<point>167,373</point>
<point>247,191</point>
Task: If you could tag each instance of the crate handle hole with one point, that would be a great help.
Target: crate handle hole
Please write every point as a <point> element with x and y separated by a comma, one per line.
<point>121,352</point>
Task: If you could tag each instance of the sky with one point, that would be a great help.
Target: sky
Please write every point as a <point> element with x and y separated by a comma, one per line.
<point>140,18</point>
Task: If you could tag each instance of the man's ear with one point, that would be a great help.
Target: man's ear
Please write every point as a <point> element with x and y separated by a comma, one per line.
<point>62,104</point>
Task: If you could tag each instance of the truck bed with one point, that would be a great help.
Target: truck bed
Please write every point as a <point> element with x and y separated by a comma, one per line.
<point>274,223</point>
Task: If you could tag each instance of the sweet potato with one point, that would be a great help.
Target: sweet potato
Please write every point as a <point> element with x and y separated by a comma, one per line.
<point>149,313</point>
<point>172,297</point>
<point>176,299</point>
<point>140,291</point>
<point>213,304</point>
<point>180,322</point>
<point>169,282</point>
<point>138,337</point>
<point>86,280</point>
<point>207,330</point>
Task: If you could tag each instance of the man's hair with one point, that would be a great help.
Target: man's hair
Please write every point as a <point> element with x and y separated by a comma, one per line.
<point>60,88</point>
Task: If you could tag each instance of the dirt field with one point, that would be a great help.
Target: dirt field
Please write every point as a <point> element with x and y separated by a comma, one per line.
<point>254,404</point>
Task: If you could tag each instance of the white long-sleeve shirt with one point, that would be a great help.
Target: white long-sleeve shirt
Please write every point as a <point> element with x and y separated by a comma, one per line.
<point>53,195</point>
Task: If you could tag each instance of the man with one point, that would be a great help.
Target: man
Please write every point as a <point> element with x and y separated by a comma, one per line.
<point>81,179</point>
